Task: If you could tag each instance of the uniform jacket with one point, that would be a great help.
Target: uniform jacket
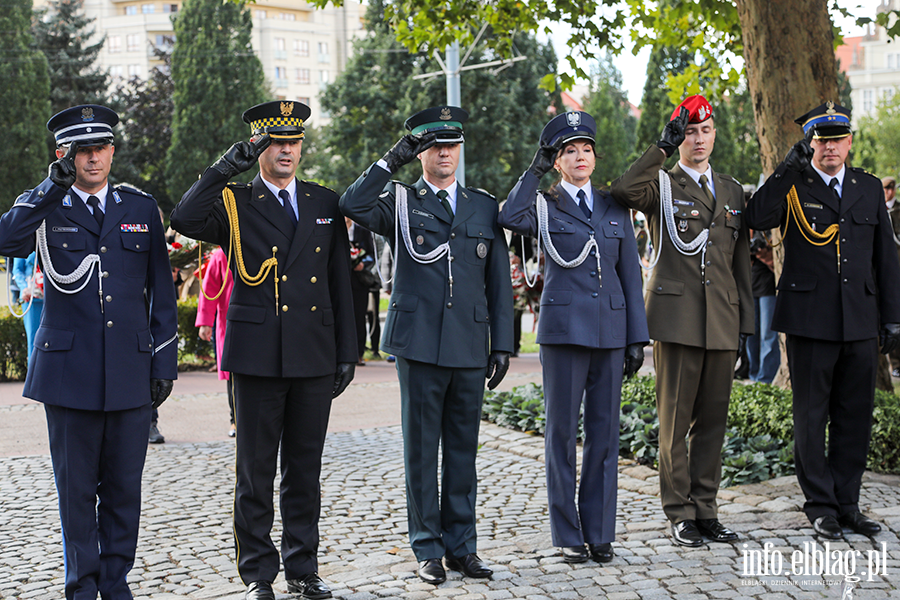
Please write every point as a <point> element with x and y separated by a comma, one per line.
<point>424,323</point>
<point>580,306</point>
<point>312,329</point>
<point>683,307</point>
<point>813,299</point>
<point>85,358</point>
<point>214,312</point>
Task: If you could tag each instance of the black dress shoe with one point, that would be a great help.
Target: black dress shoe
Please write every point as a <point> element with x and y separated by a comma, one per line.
<point>309,586</point>
<point>602,553</point>
<point>470,565</point>
<point>715,531</point>
<point>260,590</point>
<point>860,523</point>
<point>432,571</point>
<point>687,534</point>
<point>574,554</point>
<point>828,527</point>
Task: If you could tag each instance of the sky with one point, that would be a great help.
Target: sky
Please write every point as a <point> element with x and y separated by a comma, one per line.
<point>634,67</point>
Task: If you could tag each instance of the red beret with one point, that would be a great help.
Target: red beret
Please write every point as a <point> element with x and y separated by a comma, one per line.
<point>700,110</point>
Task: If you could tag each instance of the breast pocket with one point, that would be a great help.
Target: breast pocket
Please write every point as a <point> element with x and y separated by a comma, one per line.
<point>67,251</point>
<point>733,228</point>
<point>562,234</point>
<point>612,239</point>
<point>478,243</point>
<point>135,253</point>
<point>864,228</point>
<point>423,233</point>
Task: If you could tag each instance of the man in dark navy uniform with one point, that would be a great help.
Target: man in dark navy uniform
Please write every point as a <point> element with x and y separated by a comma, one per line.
<point>103,355</point>
<point>839,292</point>
<point>290,344</point>
<point>449,322</point>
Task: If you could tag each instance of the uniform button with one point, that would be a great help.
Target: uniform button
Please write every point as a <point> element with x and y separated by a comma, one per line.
<point>274,249</point>
<point>421,224</point>
<point>843,240</point>
<point>593,273</point>
<point>708,263</point>
<point>313,280</point>
<point>65,245</point>
<point>105,274</point>
<point>284,307</point>
<point>551,299</point>
<point>659,289</point>
<point>109,298</point>
<point>592,233</point>
<point>793,285</point>
<point>313,309</point>
<point>318,248</point>
<point>708,282</point>
<point>137,246</point>
<point>41,194</point>
<point>593,253</point>
<point>709,243</point>
<point>109,324</point>
<point>845,281</point>
<point>562,228</point>
<point>451,258</point>
<point>594,295</point>
<point>46,344</point>
<point>842,220</point>
<point>480,234</point>
<point>394,304</point>
<point>284,277</point>
<point>711,225</point>
<point>614,232</point>
<point>449,305</point>
<point>452,236</point>
<point>103,249</point>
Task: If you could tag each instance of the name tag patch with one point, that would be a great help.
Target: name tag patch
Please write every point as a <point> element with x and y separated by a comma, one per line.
<point>134,227</point>
<point>416,211</point>
<point>682,202</point>
<point>811,205</point>
<point>324,221</point>
<point>66,229</point>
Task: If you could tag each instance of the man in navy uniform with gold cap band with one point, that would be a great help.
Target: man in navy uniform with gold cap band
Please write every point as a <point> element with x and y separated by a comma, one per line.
<point>449,323</point>
<point>838,293</point>
<point>100,361</point>
<point>290,344</point>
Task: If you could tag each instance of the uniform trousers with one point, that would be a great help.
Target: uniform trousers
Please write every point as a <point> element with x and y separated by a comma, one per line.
<point>440,408</point>
<point>572,374</point>
<point>833,386</point>
<point>294,412</point>
<point>98,455</point>
<point>693,387</point>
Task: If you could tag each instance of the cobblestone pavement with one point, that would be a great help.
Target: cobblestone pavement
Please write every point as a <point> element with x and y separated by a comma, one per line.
<point>185,548</point>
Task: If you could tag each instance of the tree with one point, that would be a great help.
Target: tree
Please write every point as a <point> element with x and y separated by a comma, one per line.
<point>216,76</point>
<point>616,127</point>
<point>145,107</point>
<point>24,93</point>
<point>61,32</point>
<point>372,98</point>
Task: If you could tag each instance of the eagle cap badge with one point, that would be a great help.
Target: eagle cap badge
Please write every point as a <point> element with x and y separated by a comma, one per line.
<point>573,118</point>
<point>830,108</point>
<point>287,108</point>
<point>87,114</point>
<point>445,114</point>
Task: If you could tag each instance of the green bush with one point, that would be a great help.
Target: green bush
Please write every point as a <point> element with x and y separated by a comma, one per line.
<point>761,409</point>
<point>189,342</point>
<point>13,347</point>
<point>884,445</point>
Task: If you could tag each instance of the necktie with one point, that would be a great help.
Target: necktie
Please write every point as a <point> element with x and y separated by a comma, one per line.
<point>582,203</point>
<point>833,185</point>
<point>442,194</point>
<point>94,202</point>
<point>286,200</point>
<point>706,190</point>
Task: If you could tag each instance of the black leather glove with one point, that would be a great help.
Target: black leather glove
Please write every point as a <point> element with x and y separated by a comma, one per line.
<point>498,365</point>
<point>407,148</point>
<point>889,338</point>
<point>798,156</point>
<point>160,390</point>
<point>742,343</point>
<point>342,378</point>
<point>543,161</point>
<point>62,170</point>
<point>241,156</point>
<point>634,358</point>
<point>673,132</point>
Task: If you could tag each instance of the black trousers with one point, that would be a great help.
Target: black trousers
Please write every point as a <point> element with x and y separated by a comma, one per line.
<point>294,412</point>
<point>834,387</point>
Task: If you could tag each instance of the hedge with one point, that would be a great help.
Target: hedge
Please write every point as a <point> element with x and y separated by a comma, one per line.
<point>759,436</point>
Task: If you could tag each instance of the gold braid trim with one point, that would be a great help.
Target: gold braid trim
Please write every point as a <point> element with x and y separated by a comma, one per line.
<point>813,237</point>
<point>234,243</point>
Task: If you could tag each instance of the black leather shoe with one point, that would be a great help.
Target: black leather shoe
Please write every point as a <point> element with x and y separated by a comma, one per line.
<point>260,590</point>
<point>602,553</point>
<point>309,586</point>
<point>687,534</point>
<point>828,527</point>
<point>574,554</point>
<point>432,571</point>
<point>470,565</point>
<point>860,523</point>
<point>715,531</point>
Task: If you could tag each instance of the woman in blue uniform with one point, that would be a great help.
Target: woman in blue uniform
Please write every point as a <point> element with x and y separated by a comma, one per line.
<point>592,325</point>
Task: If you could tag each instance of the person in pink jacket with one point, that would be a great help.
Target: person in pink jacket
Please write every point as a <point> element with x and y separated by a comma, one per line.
<point>210,312</point>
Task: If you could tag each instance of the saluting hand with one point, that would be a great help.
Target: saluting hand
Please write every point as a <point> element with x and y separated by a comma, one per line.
<point>241,156</point>
<point>498,365</point>
<point>543,160</point>
<point>673,133</point>
<point>798,156</point>
<point>407,148</point>
<point>62,170</point>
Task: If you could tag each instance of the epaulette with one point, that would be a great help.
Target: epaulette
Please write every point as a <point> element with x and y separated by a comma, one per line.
<point>317,185</point>
<point>482,191</point>
<point>22,196</point>
<point>406,185</point>
<point>732,179</point>
<point>124,187</point>
<point>239,185</point>
<point>864,172</point>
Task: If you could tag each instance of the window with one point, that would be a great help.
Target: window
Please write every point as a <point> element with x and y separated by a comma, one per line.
<point>114,43</point>
<point>281,77</point>
<point>301,48</point>
<point>131,10</point>
<point>323,52</point>
<point>868,100</point>
<point>888,93</point>
<point>302,76</point>
<point>165,42</point>
<point>115,72</point>
<point>170,8</point>
<point>287,16</point>
<point>323,77</point>
<point>280,51</point>
<point>133,42</point>
<point>260,14</point>
<point>303,100</point>
<point>890,61</point>
<point>134,71</point>
<point>148,9</point>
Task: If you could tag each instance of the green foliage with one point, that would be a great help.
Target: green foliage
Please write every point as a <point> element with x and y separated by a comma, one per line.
<point>736,151</point>
<point>189,342</point>
<point>761,409</point>
<point>522,408</point>
<point>616,127</point>
<point>884,443</point>
<point>375,94</point>
<point>216,77</point>
<point>876,144</point>
<point>24,94</point>
<point>656,108</point>
<point>13,346</point>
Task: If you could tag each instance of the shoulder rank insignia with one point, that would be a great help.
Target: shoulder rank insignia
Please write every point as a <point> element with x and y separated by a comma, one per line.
<point>483,191</point>
<point>67,201</point>
<point>117,197</point>
<point>317,185</point>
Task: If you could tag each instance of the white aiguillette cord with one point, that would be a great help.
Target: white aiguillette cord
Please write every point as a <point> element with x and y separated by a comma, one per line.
<point>401,227</point>
<point>87,265</point>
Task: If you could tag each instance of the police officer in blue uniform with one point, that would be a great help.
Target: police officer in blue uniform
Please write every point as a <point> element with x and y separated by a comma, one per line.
<point>105,353</point>
<point>592,310</point>
<point>449,319</point>
<point>290,344</point>
<point>838,293</point>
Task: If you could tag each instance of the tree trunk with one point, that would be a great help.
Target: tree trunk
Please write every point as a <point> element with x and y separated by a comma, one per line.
<point>789,58</point>
<point>883,375</point>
